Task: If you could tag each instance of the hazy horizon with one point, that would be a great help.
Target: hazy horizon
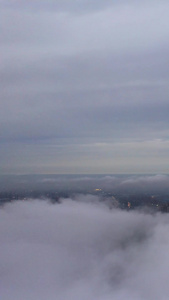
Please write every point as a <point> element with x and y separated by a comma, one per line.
<point>115,183</point>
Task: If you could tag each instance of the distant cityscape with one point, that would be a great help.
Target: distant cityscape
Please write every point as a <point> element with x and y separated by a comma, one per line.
<point>156,202</point>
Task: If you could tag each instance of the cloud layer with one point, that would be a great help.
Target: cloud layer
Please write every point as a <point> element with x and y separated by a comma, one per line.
<point>82,250</point>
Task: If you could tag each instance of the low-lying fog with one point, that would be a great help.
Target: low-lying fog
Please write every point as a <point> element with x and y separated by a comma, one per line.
<point>82,250</point>
<point>158,183</point>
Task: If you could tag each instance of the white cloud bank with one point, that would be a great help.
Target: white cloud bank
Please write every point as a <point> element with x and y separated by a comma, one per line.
<point>82,250</point>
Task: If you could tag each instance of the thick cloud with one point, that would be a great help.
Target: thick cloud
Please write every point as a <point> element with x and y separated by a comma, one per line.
<point>82,250</point>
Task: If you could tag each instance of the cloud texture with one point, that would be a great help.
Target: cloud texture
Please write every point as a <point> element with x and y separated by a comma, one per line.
<point>80,78</point>
<point>82,250</point>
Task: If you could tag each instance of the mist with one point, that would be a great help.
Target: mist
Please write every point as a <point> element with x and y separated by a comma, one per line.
<point>158,183</point>
<point>81,249</point>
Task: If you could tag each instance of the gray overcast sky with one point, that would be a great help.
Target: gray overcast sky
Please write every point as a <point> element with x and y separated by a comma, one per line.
<point>84,86</point>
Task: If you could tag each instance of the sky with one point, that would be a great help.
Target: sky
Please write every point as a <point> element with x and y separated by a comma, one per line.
<point>80,249</point>
<point>84,87</point>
